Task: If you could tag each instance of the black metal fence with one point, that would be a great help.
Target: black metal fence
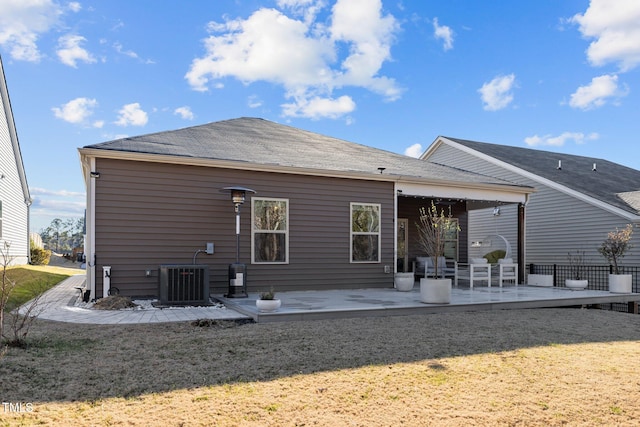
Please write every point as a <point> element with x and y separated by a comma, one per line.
<point>597,275</point>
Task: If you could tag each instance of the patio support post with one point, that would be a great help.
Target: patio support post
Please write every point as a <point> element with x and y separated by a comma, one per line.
<point>521,242</point>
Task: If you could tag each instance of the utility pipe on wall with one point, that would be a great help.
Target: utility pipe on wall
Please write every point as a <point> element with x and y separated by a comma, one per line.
<point>106,280</point>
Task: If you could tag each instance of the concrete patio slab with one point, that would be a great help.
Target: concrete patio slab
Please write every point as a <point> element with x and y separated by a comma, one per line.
<point>309,305</point>
<point>61,303</point>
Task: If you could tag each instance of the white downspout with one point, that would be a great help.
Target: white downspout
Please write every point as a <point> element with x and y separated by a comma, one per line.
<point>91,229</point>
<point>395,228</point>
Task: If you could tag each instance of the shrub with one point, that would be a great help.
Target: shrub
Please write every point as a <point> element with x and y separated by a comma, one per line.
<point>40,256</point>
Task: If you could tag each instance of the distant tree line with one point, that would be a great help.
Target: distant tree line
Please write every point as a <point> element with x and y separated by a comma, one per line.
<point>63,236</point>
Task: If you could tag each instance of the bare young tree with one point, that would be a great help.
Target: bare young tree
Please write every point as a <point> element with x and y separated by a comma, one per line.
<point>433,228</point>
<point>20,323</point>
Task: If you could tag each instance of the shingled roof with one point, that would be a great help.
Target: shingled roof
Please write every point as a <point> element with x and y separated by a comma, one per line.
<point>261,142</point>
<point>601,179</point>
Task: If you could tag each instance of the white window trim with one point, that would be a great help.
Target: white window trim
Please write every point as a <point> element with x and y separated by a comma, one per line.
<point>352,233</point>
<point>254,231</point>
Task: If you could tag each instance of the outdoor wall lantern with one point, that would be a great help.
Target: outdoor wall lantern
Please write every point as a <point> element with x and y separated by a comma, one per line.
<point>237,270</point>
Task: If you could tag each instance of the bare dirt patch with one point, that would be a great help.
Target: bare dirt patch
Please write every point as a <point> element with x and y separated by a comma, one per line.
<point>525,367</point>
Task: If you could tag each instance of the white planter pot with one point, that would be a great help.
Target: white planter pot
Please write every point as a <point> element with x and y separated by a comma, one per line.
<point>620,283</point>
<point>267,305</point>
<point>545,280</point>
<point>404,281</point>
<point>576,284</point>
<point>435,291</point>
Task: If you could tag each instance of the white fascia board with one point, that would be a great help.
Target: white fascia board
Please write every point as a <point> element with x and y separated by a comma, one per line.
<point>433,147</point>
<point>539,179</point>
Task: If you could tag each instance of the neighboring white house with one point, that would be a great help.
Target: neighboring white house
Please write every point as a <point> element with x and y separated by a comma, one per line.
<point>578,199</point>
<point>14,191</point>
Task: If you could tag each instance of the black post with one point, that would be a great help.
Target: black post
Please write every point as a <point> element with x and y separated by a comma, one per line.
<point>521,242</point>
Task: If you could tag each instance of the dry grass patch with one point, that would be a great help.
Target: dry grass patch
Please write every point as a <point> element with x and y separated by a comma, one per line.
<point>528,367</point>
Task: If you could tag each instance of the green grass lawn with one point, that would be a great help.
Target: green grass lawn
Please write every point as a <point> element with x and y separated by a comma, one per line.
<point>31,281</point>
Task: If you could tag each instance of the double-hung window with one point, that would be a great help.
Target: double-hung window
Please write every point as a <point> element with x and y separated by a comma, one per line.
<point>365,232</point>
<point>269,231</point>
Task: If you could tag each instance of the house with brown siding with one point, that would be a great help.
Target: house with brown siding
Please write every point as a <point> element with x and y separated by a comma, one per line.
<point>326,213</point>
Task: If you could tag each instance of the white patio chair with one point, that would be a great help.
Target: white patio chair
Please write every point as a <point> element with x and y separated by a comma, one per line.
<point>478,270</point>
<point>508,271</point>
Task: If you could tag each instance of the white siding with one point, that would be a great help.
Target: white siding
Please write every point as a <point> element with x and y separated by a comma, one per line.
<point>556,222</point>
<point>14,209</point>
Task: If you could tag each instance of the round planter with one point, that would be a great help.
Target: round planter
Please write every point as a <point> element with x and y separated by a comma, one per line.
<point>404,281</point>
<point>435,291</point>
<point>268,305</point>
<point>620,283</point>
<point>576,285</point>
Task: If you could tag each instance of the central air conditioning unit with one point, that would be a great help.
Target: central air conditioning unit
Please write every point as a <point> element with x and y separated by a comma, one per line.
<point>184,284</point>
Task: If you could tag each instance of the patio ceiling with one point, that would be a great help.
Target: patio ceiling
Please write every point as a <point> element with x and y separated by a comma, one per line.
<point>494,194</point>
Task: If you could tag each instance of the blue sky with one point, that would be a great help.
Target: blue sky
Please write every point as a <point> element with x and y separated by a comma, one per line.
<point>546,74</point>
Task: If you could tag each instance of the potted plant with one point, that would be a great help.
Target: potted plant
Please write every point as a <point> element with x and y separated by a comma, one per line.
<point>613,249</point>
<point>404,281</point>
<point>433,227</point>
<point>576,266</point>
<point>267,302</point>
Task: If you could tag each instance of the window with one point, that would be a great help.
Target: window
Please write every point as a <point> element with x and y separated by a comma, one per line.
<point>270,231</point>
<point>451,240</point>
<point>365,232</point>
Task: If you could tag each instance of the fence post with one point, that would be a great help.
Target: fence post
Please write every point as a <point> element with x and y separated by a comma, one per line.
<point>554,274</point>
<point>632,307</point>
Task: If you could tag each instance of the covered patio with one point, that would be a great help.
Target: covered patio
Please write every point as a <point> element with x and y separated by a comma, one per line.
<point>488,221</point>
<point>332,304</point>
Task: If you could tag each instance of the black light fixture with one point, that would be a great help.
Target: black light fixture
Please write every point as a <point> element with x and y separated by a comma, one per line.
<point>237,271</point>
<point>94,174</point>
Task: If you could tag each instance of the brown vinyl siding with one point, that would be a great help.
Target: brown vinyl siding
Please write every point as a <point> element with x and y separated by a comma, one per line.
<point>148,214</point>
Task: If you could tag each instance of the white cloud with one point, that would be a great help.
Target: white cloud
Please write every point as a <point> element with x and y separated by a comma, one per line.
<point>22,22</point>
<point>615,26</point>
<point>414,151</point>
<point>597,92</point>
<point>74,6</point>
<point>76,111</point>
<point>184,112</point>
<point>50,204</point>
<point>131,54</point>
<point>560,140</point>
<point>132,114</point>
<point>305,8</point>
<point>444,33</point>
<point>64,193</point>
<point>70,51</point>
<point>316,108</point>
<point>303,56</point>
<point>254,101</point>
<point>497,94</point>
